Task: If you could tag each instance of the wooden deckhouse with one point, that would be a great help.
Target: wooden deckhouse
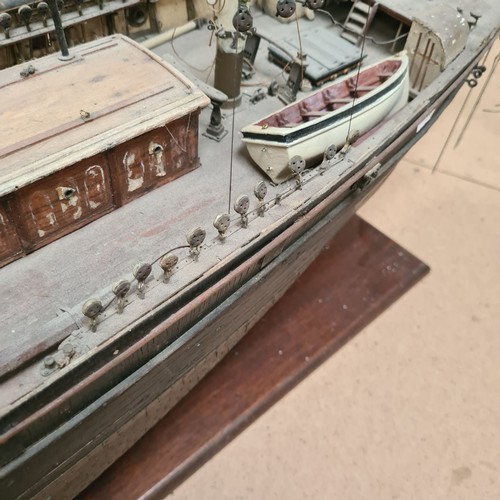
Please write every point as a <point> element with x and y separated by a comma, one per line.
<point>81,138</point>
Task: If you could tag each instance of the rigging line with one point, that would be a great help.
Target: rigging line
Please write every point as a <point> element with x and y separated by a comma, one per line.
<point>174,50</point>
<point>219,9</point>
<point>108,304</point>
<point>469,118</point>
<point>452,130</point>
<point>357,80</point>
<point>210,71</point>
<point>490,74</point>
<point>457,119</point>
<point>301,55</point>
<point>115,297</point>
<point>176,142</point>
<point>232,127</point>
<point>169,251</point>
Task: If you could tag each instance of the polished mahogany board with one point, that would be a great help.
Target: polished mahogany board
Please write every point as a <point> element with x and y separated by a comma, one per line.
<point>84,136</point>
<point>359,275</point>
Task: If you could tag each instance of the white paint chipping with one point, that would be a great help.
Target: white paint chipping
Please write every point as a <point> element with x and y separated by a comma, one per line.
<point>133,180</point>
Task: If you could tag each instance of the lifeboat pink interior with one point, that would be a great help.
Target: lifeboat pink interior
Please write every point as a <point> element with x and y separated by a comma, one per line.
<point>332,97</point>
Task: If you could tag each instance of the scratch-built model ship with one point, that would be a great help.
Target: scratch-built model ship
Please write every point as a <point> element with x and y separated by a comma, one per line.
<point>139,238</point>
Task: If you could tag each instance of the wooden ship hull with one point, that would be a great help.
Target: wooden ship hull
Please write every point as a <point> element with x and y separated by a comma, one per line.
<point>79,388</point>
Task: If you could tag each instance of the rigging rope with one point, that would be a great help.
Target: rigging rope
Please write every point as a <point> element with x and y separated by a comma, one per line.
<point>357,81</point>
<point>301,55</point>
<point>469,118</point>
<point>462,109</point>
<point>236,76</point>
<point>183,60</point>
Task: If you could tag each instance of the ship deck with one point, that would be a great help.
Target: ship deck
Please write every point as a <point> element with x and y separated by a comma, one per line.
<point>61,275</point>
<point>51,284</point>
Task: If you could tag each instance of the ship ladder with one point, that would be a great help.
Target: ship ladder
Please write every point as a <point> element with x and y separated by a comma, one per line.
<point>358,21</point>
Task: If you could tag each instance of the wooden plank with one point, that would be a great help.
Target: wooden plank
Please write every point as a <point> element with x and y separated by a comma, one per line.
<point>57,129</point>
<point>351,279</point>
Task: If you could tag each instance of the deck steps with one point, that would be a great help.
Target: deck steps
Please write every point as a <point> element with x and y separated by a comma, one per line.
<point>358,21</point>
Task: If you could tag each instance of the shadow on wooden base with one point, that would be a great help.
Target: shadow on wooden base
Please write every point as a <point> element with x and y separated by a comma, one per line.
<point>359,275</point>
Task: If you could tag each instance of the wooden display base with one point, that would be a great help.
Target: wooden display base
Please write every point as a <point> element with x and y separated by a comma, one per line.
<point>355,279</point>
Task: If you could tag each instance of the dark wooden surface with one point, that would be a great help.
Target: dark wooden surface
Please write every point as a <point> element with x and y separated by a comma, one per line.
<point>357,277</point>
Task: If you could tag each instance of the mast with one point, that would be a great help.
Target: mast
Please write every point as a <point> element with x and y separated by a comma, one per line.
<point>61,37</point>
<point>234,20</point>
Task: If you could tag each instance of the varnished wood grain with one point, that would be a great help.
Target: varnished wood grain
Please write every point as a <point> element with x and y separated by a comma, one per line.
<point>359,275</point>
